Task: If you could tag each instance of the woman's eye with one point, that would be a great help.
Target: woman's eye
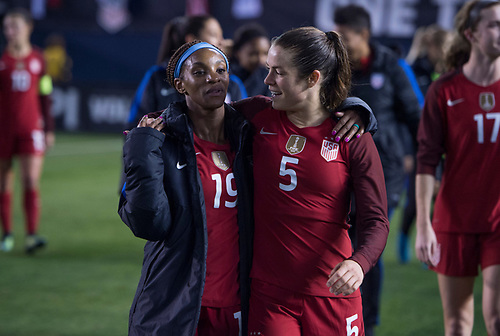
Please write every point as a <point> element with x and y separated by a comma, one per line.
<point>198,72</point>
<point>221,70</point>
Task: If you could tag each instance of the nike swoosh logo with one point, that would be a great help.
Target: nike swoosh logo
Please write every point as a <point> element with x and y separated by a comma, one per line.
<point>266,133</point>
<point>450,102</point>
<point>198,153</point>
<point>180,166</point>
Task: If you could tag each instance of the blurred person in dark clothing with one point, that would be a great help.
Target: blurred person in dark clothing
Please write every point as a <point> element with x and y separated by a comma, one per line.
<point>379,80</point>
<point>250,47</point>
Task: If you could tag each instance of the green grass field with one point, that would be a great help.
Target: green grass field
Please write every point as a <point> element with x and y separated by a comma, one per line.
<point>84,281</point>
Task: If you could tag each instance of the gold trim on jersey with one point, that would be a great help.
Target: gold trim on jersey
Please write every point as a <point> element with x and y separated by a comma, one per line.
<point>295,144</point>
<point>221,160</point>
<point>487,101</point>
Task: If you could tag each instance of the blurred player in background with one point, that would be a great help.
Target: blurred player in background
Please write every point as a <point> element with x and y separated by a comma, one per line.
<point>26,126</point>
<point>462,122</point>
<point>250,47</point>
<point>379,80</point>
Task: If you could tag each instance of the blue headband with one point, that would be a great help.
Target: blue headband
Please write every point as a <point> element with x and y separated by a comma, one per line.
<point>191,50</point>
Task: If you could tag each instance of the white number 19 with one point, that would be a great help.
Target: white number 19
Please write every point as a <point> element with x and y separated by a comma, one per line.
<point>218,190</point>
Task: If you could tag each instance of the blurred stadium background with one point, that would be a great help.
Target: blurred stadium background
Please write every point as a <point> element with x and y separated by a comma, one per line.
<point>83,283</point>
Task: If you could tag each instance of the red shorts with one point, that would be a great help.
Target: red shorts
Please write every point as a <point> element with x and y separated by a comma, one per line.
<point>463,253</point>
<point>275,311</point>
<point>23,144</point>
<point>219,321</point>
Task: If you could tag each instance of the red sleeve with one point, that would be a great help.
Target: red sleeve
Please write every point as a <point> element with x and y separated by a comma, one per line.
<point>48,119</point>
<point>45,100</point>
<point>249,107</point>
<point>372,224</point>
<point>431,132</point>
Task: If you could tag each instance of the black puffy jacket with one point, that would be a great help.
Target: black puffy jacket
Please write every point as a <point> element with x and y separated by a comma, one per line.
<point>387,90</point>
<point>165,205</point>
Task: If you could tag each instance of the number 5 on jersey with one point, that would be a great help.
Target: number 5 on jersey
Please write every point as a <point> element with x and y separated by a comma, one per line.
<point>284,171</point>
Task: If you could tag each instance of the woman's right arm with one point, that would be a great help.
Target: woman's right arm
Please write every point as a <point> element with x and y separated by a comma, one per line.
<point>144,206</point>
<point>430,150</point>
<point>426,246</point>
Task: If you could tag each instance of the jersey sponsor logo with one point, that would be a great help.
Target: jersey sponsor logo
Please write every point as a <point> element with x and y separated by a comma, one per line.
<point>487,101</point>
<point>377,80</point>
<point>451,103</point>
<point>220,160</point>
<point>35,66</point>
<point>329,150</point>
<point>266,133</point>
<point>295,144</point>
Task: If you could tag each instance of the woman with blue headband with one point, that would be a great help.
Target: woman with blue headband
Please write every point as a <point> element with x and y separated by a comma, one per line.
<point>189,193</point>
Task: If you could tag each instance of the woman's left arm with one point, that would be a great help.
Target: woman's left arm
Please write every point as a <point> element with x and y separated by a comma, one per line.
<point>370,194</point>
<point>356,118</point>
<point>371,221</point>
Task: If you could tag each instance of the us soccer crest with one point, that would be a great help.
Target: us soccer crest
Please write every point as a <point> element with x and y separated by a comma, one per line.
<point>377,80</point>
<point>220,160</point>
<point>295,144</point>
<point>329,150</point>
<point>487,101</point>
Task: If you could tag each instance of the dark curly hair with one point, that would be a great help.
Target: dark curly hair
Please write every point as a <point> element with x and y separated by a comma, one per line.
<point>175,59</point>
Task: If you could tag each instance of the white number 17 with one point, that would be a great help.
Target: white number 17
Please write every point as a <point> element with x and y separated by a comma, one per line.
<point>480,126</point>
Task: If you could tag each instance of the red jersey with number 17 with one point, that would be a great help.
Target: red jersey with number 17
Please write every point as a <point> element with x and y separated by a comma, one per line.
<point>20,112</point>
<point>462,120</point>
<point>303,184</point>
<point>215,165</point>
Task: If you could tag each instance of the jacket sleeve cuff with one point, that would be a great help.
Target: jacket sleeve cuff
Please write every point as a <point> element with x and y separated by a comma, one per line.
<point>366,113</point>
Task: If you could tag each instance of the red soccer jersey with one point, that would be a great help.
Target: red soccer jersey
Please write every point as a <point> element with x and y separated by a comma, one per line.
<point>219,188</point>
<point>461,119</point>
<point>303,185</point>
<point>19,93</point>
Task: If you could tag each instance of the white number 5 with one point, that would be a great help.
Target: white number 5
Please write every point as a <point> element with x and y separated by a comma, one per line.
<point>350,329</point>
<point>284,172</point>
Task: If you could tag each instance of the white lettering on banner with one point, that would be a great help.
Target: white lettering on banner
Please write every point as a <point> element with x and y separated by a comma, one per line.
<point>392,18</point>
<point>447,9</point>
<point>109,109</point>
<point>66,104</point>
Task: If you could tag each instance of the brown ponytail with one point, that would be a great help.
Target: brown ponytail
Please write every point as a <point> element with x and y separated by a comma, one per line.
<point>312,49</point>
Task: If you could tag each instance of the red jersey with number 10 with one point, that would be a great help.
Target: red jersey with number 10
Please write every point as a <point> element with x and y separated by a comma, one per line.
<point>303,185</point>
<point>462,119</point>
<point>20,112</point>
<point>215,164</point>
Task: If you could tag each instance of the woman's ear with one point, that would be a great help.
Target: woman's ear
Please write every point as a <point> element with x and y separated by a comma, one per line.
<point>313,78</point>
<point>179,86</point>
<point>468,35</point>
